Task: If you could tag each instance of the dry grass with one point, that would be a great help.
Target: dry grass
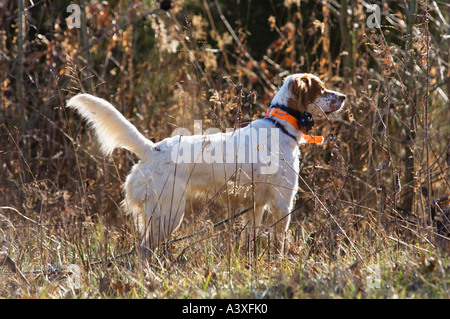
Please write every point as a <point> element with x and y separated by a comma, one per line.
<point>374,220</point>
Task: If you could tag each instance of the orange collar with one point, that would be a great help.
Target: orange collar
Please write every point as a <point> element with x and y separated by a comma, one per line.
<point>274,112</point>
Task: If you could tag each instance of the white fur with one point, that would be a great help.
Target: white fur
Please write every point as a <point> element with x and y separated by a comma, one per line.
<point>111,127</point>
<point>282,96</point>
<point>157,187</point>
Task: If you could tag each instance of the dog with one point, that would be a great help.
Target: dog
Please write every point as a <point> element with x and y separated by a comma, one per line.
<point>257,164</point>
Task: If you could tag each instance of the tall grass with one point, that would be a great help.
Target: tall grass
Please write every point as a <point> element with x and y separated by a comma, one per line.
<point>374,215</point>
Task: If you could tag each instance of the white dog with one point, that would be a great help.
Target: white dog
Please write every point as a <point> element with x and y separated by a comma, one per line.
<point>258,164</point>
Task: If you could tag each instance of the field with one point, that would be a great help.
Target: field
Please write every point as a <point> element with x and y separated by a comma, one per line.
<point>373,207</point>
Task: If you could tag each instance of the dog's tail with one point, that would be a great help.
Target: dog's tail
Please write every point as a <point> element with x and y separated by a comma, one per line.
<point>110,126</point>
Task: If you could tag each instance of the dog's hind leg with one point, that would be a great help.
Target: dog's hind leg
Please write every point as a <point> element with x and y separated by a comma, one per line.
<point>163,217</point>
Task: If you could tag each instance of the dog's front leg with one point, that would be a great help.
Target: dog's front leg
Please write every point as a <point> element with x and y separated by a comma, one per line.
<point>252,223</point>
<point>283,218</point>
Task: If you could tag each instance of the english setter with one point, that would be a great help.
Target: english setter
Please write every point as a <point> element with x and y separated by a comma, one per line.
<point>259,163</point>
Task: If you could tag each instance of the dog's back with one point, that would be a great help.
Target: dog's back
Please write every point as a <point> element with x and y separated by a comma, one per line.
<point>264,170</point>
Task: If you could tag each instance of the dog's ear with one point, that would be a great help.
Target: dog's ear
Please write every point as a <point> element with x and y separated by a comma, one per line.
<point>304,89</point>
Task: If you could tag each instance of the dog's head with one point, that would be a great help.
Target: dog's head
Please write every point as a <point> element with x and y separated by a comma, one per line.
<point>307,93</point>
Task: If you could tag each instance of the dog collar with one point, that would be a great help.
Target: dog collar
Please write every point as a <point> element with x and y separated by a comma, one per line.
<point>296,119</point>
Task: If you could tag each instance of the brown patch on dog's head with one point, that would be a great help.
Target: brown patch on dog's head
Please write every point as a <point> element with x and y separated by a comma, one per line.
<point>304,89</point>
